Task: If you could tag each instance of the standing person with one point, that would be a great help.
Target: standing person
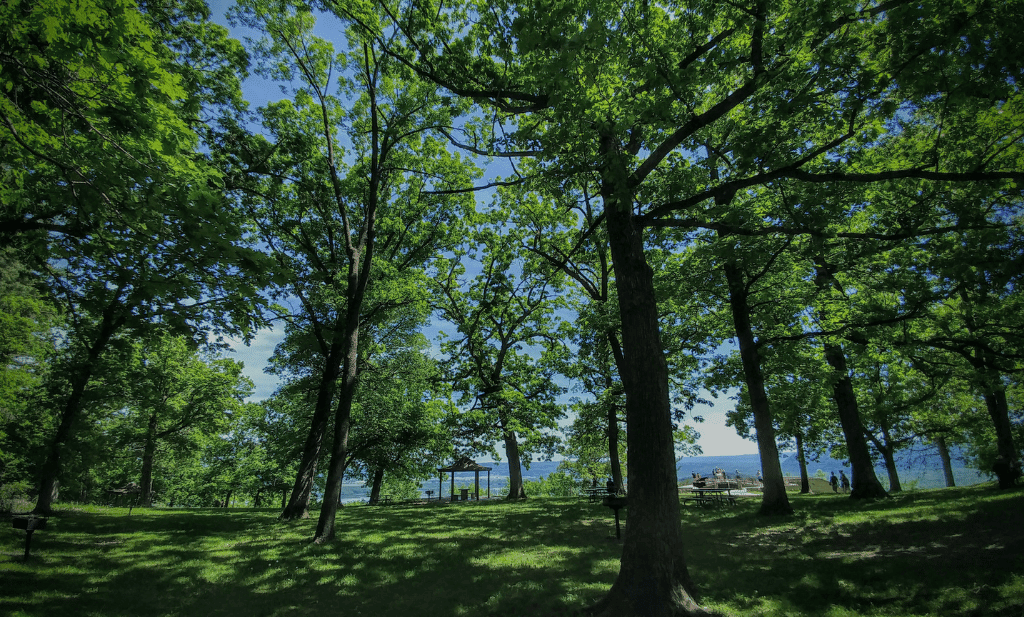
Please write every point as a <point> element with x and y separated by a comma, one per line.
<point>610,485</point>
<point>845,481</point>
<point>834,481</point>
<point>759,479</point>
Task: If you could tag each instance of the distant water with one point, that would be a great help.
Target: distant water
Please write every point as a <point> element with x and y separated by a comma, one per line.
<point>499,480</point>
<point>916,471</point>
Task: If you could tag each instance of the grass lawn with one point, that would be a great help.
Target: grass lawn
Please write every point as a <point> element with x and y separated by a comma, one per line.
<point>937,552</point>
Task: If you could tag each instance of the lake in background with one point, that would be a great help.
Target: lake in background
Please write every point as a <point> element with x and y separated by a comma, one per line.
<point>916,469</point>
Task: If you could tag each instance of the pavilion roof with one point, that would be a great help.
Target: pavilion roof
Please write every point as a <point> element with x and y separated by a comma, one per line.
<point>464,464</point>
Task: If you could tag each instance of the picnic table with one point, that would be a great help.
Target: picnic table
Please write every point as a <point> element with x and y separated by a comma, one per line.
<point>710,496</point>
<point>595,494</point>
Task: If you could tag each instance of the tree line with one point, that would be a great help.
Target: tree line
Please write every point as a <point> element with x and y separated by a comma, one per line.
<point>815,202</point>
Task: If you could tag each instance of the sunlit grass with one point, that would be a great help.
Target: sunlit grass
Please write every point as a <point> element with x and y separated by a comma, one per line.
<point>945,552</point>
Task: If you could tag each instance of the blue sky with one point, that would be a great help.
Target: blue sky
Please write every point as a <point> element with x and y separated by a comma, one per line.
<point>716,438</point>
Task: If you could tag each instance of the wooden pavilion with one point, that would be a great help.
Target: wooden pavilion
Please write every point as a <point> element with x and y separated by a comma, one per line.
<point>464,464</point>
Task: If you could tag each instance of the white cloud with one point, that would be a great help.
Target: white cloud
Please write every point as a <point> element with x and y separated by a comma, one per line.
<point>256,356</point>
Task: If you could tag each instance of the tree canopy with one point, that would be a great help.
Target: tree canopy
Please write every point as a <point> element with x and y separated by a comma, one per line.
<point>815,205</point>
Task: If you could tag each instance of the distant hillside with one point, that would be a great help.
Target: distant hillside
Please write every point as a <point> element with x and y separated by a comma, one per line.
<point>920,470</point>
<point>917,470</point>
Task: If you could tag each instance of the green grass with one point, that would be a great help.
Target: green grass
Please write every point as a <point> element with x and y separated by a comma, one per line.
<point>942,552</point>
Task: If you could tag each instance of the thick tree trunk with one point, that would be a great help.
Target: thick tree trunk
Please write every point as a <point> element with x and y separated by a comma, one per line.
<point>801,458</point>
<point>887,450</point>
<point>358,277</point>
<point>653,580</point>
<point>378,481</point>
<point>613,446</point>
<point>51,467</point>
<point>990,380</point>
<point>297,506</point>
<point>342,425</point>
<point>774,499</point>
<point>613,415</point>
<point>515,471</point>
<point>998,411</point>
<point>335,472</point>
<point>890,468</point>
<point>947,463</point>
<point>148,454</point>
<point>865,484</point>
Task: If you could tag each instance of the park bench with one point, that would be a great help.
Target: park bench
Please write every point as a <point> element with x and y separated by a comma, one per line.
<point>30,524</point>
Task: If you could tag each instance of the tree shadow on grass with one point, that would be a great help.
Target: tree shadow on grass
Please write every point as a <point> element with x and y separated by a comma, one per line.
<point>950,553</point>
<point>921,553</point>
<point>491,558</point>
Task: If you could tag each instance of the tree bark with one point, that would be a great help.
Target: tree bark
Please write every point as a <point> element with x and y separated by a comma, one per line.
<point>515,471</point>
<point>613,445</point>
<point>339,453</point>
<point>613,414</point>
<point>653,580</point>
<point>360,263</point>
<point>801,458</point>
<point>890,468</point>
<point>297,506</point>
<point>888,452</point>
<point>990,380</point>
<point>947,463</point>
<point>998,411</point>
<point>51,468</point>
<point>148,454</point>
<point>343,412</point>
<point>865,484</point>
<point>773,499</point>
<point>378,480</point>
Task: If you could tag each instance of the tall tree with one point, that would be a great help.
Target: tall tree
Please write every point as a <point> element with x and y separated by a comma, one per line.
<point>27,344</point>
<point>174,391</point>
<point>891,391</point>
<point>107,195</point>
<point>400,429</point>
<point>741,284</point>
<point>634,93</point>
<point>549,217</point>
<point>980,322</point>
<point>333,210</point>
<point>504,351</point>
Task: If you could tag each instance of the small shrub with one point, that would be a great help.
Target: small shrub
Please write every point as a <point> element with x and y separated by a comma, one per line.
<point>14,497</point>
<point>558,484</point>
<point>400,489</point>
